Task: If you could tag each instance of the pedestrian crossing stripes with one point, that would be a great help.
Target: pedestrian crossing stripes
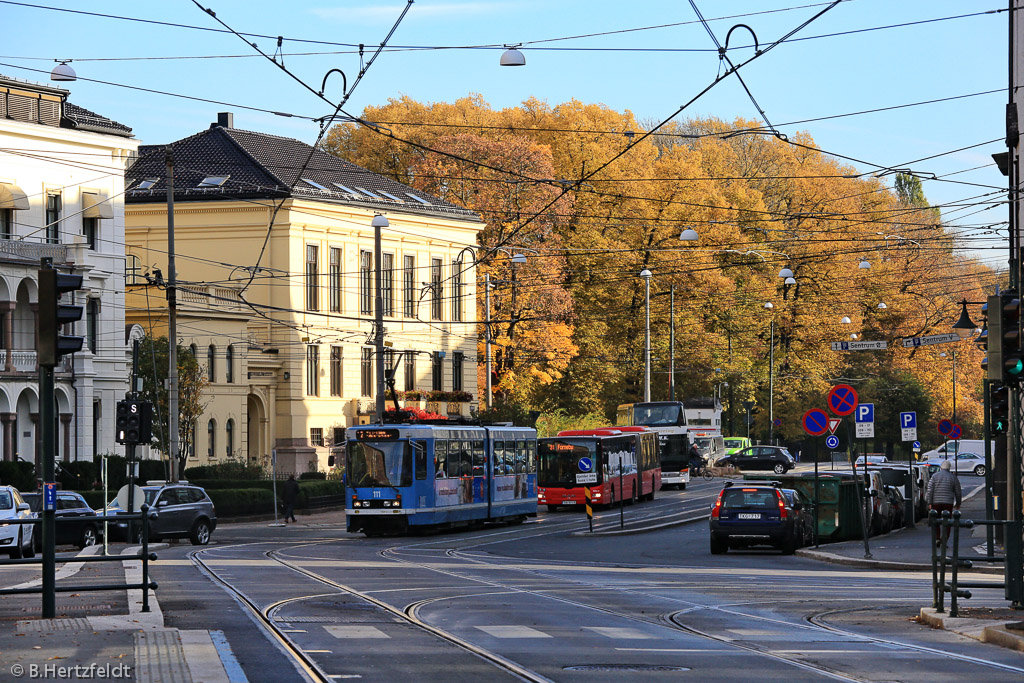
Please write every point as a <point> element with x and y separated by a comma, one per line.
<point>353,631</point>
<point>513,631</point>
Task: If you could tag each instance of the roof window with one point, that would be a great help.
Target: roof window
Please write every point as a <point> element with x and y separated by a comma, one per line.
<point>368,193</point>
<point>315,184</point>
<point>147,183</point>
<point>421,200</point>
<point>344,188</point>
<point>214,181</point>
<point>391,196</point>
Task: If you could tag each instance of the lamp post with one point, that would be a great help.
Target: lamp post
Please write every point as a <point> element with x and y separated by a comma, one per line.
<point>378,222</point>
<point>771,375</point>
<point>646,275</point>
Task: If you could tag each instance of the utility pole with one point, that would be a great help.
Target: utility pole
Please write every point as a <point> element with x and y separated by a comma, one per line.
<point>378,314</point>
<point>172,323</point>
<point>487,335</point>
<point>672,343</point>
<point>771,383</point>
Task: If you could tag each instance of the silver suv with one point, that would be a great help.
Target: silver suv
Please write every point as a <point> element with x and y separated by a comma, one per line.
<point>182,511</point>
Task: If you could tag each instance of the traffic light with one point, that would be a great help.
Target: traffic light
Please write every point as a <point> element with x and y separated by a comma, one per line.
<point>133,422</point>
<point>53,314</point>
<point>999,409</point>
<point>991,339</point>
<point>1011,351</point>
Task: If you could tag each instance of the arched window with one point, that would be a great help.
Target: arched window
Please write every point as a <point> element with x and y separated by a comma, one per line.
<point>229,436</point>
<point>211,363</point>
<point>211,437</point>
<point>194,350</point>
<point>192,450</point>
<point>229,365</point>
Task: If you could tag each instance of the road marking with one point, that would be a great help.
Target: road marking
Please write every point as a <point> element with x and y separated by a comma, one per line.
<point>754,632</point>
<point>318,652</point>
<point>618,633</point>
<point>293,630</point>
<point>672,649</point>
<point>354,631</point>
<point>513,632</point>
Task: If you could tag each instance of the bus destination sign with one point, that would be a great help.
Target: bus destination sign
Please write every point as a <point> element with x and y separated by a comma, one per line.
<point>377,434</point>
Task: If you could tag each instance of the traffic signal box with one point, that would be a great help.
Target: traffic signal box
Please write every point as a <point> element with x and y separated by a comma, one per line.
<point>53,314</point>
<point>999,408</point>
<point>133,422</point>
<point>1005,356</point>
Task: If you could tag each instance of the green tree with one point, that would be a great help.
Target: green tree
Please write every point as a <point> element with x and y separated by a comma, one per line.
<point>192,402</point>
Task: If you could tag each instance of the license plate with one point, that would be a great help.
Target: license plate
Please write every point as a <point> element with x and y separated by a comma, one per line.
<point>748,515</point>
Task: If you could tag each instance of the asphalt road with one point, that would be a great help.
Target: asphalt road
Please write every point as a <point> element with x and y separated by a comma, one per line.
<point>545,601</point>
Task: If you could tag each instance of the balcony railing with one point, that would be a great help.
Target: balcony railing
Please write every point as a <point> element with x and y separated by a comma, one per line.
<point>25,361</point>
<point>33,251</point>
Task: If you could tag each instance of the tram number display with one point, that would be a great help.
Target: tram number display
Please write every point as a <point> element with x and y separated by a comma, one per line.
<point>586,478</point>
<point>377,434</point>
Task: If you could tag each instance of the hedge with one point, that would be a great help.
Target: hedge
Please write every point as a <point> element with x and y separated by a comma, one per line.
<point>240,502</point>
<point>20,475</point>
<point>227,470</point>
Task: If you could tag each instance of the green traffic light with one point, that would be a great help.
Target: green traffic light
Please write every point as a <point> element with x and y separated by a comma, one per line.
<point>1015,366</point>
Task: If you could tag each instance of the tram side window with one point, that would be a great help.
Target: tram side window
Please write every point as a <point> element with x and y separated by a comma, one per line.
<point>520,457</point>
<point>454,460</point>
<point>509,462</point>
<point>499,456</point>
<point>531,456</point>
<point>419,450</point>
<point>466,458</point>
<point>440,458</point>
<point>479,458</point>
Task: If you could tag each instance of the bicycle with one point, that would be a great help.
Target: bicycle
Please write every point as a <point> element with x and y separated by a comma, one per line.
<point>703,471</point>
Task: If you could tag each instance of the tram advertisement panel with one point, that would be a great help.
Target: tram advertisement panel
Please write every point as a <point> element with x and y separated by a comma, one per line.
<point>509,460</point>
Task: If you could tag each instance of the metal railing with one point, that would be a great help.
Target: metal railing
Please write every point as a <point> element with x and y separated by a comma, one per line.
<point>144,516</point>
<point>947,554</point>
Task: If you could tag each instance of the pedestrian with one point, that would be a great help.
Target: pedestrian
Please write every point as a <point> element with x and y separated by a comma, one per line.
<point>291,494</point>
<point>943,494</point>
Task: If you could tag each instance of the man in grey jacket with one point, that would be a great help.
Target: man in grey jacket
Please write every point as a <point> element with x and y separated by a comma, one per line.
<point>943,492</point>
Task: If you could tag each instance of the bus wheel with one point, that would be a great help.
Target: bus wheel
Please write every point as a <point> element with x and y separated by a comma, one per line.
<point>682,487</point>
<point>552,508</point>
<point>635,499</point>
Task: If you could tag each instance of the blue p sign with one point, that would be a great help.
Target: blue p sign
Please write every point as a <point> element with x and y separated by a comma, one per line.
<point>866,412</point>
<point>908,420</point>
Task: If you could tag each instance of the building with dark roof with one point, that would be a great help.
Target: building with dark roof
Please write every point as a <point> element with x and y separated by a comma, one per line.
<point>287,228</point>
<point>61,196</point>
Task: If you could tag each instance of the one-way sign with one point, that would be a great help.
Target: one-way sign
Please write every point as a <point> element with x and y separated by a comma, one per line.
<point>931,339</point>
<point>859,345</point>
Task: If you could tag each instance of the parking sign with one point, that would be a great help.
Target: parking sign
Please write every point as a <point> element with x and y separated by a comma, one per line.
<point>864,414</point>
<point>908,426</point>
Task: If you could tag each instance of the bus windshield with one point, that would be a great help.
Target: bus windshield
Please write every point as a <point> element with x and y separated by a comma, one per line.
<point>381,463</point>
<point>558,461</point>
<point>657,415</point>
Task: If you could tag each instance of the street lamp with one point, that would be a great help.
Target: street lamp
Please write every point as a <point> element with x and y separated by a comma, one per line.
<point>771,375</point>
<point>864,264</point>
<point>63,71</point>
<point>964,326</point>
<point>512,56</point>
<point>688,235</point>
<point>646,275</point>
<point>378,222</point>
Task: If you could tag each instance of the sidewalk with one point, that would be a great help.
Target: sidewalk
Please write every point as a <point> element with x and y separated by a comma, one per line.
<point>910,550</point>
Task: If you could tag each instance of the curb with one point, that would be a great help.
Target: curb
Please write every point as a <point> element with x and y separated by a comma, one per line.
<point>995,633</point>
<point>891,565</point>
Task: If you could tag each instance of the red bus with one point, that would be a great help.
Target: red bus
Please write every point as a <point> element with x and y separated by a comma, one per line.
<point>610,461</point>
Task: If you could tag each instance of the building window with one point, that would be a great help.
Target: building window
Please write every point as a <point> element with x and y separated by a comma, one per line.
<point>316,436</point>
<point>389,367</point>
<point>229,437</point>
<point>457,361</point>
<point>457,290</point>
<point>409,286</point>
<point>410,371</point>
<point>365,283</point>
<point>312,273</point>
<point>366,372</point>
<point>194,350</point>
<point>6,224</point>
<point>211,439</point>
<point>312,370</point>
<point>436,365</point>
<point>334,280</point>
<point>192,444</point>
<point>53,208</point>
<point>92,322</point>
<point>335,371</point>
<point>90,228</point>
<point>229,364</point>
<point>387,283</point>
<point>211,363</point>
<point>436,289</point>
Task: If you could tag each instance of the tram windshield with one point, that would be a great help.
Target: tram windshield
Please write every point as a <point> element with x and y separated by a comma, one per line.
<point>558,461</point>
<point>646,414</point>
<point>381,463</point>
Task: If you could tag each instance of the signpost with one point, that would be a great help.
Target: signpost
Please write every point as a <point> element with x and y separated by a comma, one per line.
<point>815,422</point>
<point>832,442</point>
<point>908,431</point>
<point>865,418</point>
<point>931,339</point>
<point>842,401</point>
<point>860,345</point>
<point>908,426</point>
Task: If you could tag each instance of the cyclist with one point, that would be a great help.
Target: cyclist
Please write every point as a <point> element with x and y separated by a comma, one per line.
<point>696,461</point>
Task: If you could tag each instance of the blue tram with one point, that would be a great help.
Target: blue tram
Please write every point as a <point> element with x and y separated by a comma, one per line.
<point>408,477</point>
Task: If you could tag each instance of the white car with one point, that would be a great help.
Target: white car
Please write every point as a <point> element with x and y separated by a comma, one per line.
<point>965,463</point>
<point>15,539</point>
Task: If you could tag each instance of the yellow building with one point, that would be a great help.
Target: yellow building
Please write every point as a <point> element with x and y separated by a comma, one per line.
<point>293,240</point>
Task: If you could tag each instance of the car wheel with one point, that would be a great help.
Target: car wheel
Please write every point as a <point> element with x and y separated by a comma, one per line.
<point>552,508</point>
<point>30,549</point>
<point>779,468</point>
<point>718,547</point>
<point>200,533</point>
<point>789,546</point>
<point>89,537</point>
<point>980,470</point>
<point>18,551</point>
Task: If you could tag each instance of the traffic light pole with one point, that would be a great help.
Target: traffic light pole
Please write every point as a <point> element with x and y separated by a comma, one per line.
<point>46,417</point>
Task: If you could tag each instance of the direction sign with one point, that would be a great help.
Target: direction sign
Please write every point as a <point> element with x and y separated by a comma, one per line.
<point>865,412</point>
<point>842,400</point>
<point>833,424</point>
<point>49,496</point>
<point>945,427</point>
<point>815,422</point>
<point>908,426</point>
<point>832,441</point>
<point>955,433</point>
<point>859,345</point>
<point>585,464</point>
<point>916,445</point>
<point>931,339</point>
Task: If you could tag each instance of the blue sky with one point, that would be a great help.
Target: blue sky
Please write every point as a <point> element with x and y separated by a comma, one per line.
<point>651,72</point>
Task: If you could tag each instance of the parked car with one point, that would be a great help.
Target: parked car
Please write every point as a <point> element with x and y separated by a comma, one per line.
<point>895,474</point>
<point>76,521</point>
<point>879,505</point>
<point>965,463</point>
<point>947,449</point>
<point>760,514</point>
<point>897,507</point>
<point>15,539</point>
<point>736,443</point>
<point>871,460</point>
<point>774,458</point>
<point>183,511</point>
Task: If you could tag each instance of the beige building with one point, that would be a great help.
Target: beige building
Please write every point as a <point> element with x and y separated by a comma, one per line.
<point>296,249</point>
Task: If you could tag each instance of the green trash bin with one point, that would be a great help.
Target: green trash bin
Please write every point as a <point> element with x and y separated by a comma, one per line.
<point>839,517</point>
